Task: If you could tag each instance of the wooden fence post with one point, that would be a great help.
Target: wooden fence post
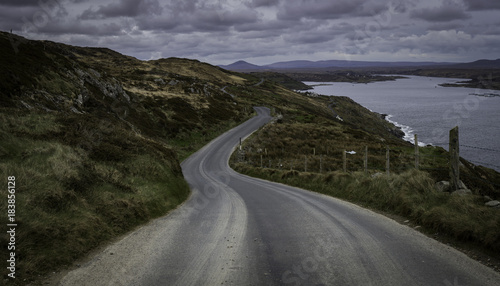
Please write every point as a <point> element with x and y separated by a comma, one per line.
<point>387,161</point>
<point>454,160</point>
<point>344,161</point>
<point>417,159</point>
<point>261,162</point>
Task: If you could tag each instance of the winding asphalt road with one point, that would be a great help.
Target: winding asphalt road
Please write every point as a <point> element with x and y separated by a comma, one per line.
<point>237,230</point>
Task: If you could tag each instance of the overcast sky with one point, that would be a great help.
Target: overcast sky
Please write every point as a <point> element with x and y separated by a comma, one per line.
<point>266,31</point>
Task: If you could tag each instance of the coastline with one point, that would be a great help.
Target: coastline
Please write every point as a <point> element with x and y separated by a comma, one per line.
<point>407,130</point>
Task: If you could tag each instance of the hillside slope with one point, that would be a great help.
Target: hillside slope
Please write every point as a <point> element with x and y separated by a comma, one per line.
<point>94,138</point>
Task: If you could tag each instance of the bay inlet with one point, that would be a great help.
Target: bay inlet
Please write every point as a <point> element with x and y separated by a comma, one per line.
<point>419,105</point>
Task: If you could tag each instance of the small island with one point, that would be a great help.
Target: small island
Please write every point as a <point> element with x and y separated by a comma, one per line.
<point>294,79</point>
<point>487,94</point>
<point>342,76</point>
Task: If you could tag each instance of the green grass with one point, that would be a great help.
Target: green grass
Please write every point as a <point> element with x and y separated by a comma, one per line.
<point>290,142</point>
<point>69,198</point>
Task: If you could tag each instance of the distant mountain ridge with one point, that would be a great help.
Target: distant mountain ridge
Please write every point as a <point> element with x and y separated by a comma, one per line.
<point>486,64</point>
<point>304,64</point>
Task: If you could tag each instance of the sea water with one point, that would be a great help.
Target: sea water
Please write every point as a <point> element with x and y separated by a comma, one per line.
<point>419,105</point>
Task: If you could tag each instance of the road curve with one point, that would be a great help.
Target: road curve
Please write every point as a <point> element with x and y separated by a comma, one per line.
<point>238,230</point>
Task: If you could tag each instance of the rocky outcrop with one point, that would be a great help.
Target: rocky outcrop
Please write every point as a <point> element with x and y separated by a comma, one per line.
<point>493,204</point>
<point>444,186</point>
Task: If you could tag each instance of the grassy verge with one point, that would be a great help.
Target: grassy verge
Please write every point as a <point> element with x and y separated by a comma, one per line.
<point>80,182</point>
<point>410,194</point>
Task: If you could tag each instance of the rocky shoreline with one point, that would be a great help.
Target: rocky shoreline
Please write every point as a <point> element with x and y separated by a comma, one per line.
<point>397,131</point>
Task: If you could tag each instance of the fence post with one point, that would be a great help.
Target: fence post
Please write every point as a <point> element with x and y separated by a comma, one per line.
<point>314,151</point>
<point>240,143</point>
<point>261,161</point>
<point>305,163</point>
<point>454,160</point>
<point>344,161</point>
<point>416,153</point>
<point>387,161</point>
<point>366,159</point>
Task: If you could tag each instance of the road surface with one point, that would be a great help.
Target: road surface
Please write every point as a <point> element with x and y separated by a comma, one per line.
<point>237,230</point>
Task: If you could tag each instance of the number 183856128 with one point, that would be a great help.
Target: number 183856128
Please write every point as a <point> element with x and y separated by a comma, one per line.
<point>11,199</point>
<point>11,216</point>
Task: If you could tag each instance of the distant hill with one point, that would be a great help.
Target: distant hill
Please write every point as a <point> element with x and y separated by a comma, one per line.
<point>303,64</point>
<point>241,65</point>
<point>482,64</point>
<point>346,64</point>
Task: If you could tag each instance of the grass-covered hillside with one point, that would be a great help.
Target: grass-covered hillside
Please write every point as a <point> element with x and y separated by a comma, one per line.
<point>94,140</point>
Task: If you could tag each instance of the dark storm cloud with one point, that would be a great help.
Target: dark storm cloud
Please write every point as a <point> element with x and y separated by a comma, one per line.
<point>77,28</point>
<point>19,3</point>
<point>263,3</point>
<point>401,6</point>
<point>445,26</point>
<point>315,34</point>
<point>318,9</point>
<point>160,23</point>
<point>263,31</point>
<point>216,19</point>
<point>448,11</point>
<point>33,16</point>
<point>265,26</point>
<point>479,5</point>
<point>14,15</point>
<point>123,8</point>
<point>196,17</point>
<point>370,9</point>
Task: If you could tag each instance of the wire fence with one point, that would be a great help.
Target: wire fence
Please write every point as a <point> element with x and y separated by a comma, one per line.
<point>483,149</point>
<point>391,159</point>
